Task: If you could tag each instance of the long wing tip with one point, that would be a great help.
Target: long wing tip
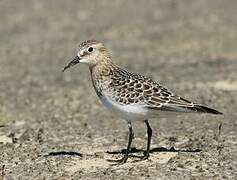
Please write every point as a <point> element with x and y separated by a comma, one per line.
<point>204,109</point>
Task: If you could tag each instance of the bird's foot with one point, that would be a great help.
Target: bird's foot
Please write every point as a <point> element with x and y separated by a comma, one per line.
<point>119,161</point>
<point>146,156</point>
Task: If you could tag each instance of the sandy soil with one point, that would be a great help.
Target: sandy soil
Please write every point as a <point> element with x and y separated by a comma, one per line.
<point>52,125</point>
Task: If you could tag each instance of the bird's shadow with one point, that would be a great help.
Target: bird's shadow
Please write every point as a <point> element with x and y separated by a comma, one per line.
<point>64,153</point>
<point>123,151</point>
<point>156,149</point>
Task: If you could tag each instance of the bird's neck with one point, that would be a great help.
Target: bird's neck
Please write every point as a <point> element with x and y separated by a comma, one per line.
<point>103,68</point>
<point>101,76</point>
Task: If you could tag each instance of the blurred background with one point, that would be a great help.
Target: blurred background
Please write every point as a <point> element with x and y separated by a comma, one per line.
<point>189,46</point>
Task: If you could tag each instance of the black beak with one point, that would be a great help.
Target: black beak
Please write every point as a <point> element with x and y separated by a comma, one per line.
<point>75,61</point>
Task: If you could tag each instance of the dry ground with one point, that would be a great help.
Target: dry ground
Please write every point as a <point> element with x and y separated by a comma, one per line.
<point>51,123</point>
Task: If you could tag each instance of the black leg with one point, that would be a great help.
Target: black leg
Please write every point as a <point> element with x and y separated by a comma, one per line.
<point>149,134</point>
<point>130,138</point>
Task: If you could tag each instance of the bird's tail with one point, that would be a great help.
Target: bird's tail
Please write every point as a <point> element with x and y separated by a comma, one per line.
<point>204,109</point>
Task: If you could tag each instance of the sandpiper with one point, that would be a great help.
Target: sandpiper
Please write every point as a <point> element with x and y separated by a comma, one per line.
<point>131,96</point>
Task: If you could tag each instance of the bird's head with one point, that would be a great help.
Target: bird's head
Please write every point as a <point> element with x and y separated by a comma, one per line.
<point>90,52</point>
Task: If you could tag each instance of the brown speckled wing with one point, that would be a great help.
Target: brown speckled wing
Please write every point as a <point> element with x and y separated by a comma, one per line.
<point>130,88</point>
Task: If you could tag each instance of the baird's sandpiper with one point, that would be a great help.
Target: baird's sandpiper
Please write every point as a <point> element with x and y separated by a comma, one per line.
<point>132,96</point>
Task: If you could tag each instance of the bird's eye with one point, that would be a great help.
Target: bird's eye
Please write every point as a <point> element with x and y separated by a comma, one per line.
<point>90,49</point>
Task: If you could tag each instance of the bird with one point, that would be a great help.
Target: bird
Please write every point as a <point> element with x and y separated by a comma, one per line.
<point>131,96</point>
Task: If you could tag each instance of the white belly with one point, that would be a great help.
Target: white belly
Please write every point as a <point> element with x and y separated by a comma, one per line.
<point>127,112</point>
